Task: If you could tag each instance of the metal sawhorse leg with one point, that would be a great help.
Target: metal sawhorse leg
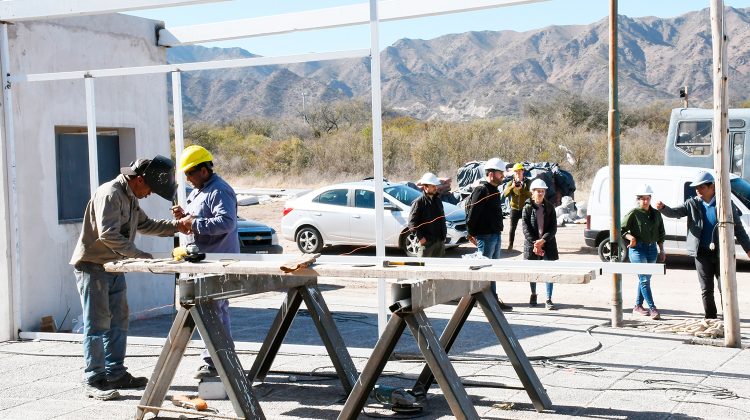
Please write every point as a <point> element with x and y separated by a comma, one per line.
<point>201,313</point>
<point>435,352</point>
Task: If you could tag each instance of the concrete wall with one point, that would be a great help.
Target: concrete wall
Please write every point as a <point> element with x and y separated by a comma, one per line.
<point>136,104</point>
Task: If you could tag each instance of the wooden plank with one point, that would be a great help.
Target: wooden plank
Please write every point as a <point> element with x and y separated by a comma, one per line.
<point>437,272</point>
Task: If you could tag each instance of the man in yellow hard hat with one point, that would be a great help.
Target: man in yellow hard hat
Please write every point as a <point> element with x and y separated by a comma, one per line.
<point>210,216</point>
<point>517,191</point>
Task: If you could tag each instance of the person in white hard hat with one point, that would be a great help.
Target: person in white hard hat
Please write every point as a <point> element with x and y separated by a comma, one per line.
<point>427,218</point>
<point>484,215</point>
<point>702,234</point>
<point>539,230</point>
<point>643,228</point>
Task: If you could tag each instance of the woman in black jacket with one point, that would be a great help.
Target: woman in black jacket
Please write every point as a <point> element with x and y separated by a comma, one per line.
<point>539,229</point>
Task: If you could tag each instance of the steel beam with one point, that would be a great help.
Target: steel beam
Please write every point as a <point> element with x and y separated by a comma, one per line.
<point>169,359</point>
<point>447,338</point>
<point>221,349</point>
<point>332,17</point>
<point>21,10</point>
<point>513,350</point>
<point>374,367</point>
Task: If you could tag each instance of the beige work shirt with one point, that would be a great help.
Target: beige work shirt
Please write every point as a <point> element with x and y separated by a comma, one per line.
<point>110,222</point>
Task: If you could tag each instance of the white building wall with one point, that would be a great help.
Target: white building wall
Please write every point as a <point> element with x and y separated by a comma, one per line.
<point>136,103</point>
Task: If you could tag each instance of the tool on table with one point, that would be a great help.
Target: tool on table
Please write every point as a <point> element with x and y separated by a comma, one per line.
<point>477,267</point>
<point>297,264</point>
<point>191,402</point>
<point>189,253</point>
<point>387,263</point>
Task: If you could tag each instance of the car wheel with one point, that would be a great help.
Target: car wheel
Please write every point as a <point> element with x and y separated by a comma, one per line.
<point>309,240</point>
<point>410,244</point>
<point>604,251</point>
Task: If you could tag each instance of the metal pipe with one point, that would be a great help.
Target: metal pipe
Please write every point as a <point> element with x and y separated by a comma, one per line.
<point>91,133</point>
<point>179,140</point>
<point>614,165</point>
<point>377,154</point>
<point>15,237</point>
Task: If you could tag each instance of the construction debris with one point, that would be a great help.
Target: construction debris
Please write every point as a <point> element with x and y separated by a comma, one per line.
<point>702,328</point>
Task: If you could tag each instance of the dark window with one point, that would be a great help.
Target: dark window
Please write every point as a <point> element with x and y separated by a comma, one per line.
<point>694,137</point>
<point>333,197</point>
<point>738,152</point>
<point>364,199</point>
<point>72,155</point>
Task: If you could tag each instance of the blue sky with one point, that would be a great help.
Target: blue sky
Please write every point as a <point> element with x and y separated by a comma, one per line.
<point>518,18</point>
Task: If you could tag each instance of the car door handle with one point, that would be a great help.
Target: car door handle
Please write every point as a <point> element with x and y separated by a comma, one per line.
<point>317,214</point>
<point>356,216</point>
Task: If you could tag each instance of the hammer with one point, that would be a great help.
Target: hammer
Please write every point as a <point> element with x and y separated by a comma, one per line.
<point>387,263</point>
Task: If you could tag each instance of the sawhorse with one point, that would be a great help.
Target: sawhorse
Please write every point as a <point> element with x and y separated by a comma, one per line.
<point>410,299</point>
<point>197,310</point>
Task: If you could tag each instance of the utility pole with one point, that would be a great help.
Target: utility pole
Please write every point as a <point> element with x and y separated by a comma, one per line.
<point>724,217</point>
<point>613,135</point>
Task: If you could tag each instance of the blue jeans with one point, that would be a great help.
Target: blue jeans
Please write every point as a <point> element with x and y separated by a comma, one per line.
<point>222,306</point>
<point>105,321</point>
<point>644,253</point>
<point>489,245</point>
<point>532,285</point>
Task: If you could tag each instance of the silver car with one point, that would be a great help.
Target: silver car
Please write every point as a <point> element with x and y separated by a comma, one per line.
<point>344,214</point>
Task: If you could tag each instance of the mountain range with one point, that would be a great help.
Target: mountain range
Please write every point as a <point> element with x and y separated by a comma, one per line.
<point>484,74</point>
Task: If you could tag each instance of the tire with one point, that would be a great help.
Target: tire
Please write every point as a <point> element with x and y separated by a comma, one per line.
<point>604,251</point>
<point>410,244</point>
<point>309,240</point>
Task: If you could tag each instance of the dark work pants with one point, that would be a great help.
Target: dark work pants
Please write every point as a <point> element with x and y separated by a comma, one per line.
<point>515,216</point>
<point>707,266</point>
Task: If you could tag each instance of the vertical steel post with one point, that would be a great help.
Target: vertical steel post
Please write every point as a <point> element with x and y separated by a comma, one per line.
<point>14,242</point>
<point>724,216</point>
<point>614,165</point>
<point>179,140</point>
<point>377,154</point>
<point>91,131</point>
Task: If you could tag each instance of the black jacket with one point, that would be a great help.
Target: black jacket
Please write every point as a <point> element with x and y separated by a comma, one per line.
<point>484,212</point>
<point>531,231</point>
<point>427,218</point>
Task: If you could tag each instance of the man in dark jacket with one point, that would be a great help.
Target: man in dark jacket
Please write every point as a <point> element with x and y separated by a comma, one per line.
<point>484,215</point>
<point>702,235</point>
<point>539,230</point>
<point>427,218</point>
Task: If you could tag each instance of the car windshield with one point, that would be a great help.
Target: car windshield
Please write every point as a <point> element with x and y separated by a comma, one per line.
<point>741,189</point>
<point>403,193</point>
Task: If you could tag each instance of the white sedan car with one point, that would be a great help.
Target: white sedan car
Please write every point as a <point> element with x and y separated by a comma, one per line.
<point>344,214</point>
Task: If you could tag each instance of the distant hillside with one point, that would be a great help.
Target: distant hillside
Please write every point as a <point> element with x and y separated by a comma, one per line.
<point>484,74</point>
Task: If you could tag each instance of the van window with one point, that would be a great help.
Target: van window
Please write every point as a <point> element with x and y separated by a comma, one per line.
<point>694,137</point>
<point>738,149</point>
<point>689,191</point>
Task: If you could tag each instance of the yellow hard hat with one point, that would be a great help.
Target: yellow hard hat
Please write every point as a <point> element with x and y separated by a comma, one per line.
<point>194,155</point>
<point>518,167</point>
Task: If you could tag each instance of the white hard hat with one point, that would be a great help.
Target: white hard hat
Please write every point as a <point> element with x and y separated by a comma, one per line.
<point>494,164</point>
<point>644,189</point>
<point>538,184</point>
<point>428,179</point>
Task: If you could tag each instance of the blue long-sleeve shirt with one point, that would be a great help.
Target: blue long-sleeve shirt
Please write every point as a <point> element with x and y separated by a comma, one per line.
<point>215,209</point>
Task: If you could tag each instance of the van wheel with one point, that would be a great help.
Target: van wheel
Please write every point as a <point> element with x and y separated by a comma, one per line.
<point>604,251</point>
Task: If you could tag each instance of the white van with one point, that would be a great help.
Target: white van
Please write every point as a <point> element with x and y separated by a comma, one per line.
<point>671,185</point>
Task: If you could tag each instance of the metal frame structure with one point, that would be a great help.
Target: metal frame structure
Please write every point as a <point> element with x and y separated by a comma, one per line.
<point>19,10</point>
<point>197,311</point>
<point>437,281</point>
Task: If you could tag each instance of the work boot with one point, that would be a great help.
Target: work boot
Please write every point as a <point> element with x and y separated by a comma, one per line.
<point>128,381</point>
<point>206,371</point>
<point>503,306</point>
<point>654,313</point>
<point>640,310</point>
<point>532,300</point>
<point>549,305</point>
<point>99,390</point>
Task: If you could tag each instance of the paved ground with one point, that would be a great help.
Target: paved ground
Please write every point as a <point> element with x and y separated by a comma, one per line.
<point>626,372</point>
